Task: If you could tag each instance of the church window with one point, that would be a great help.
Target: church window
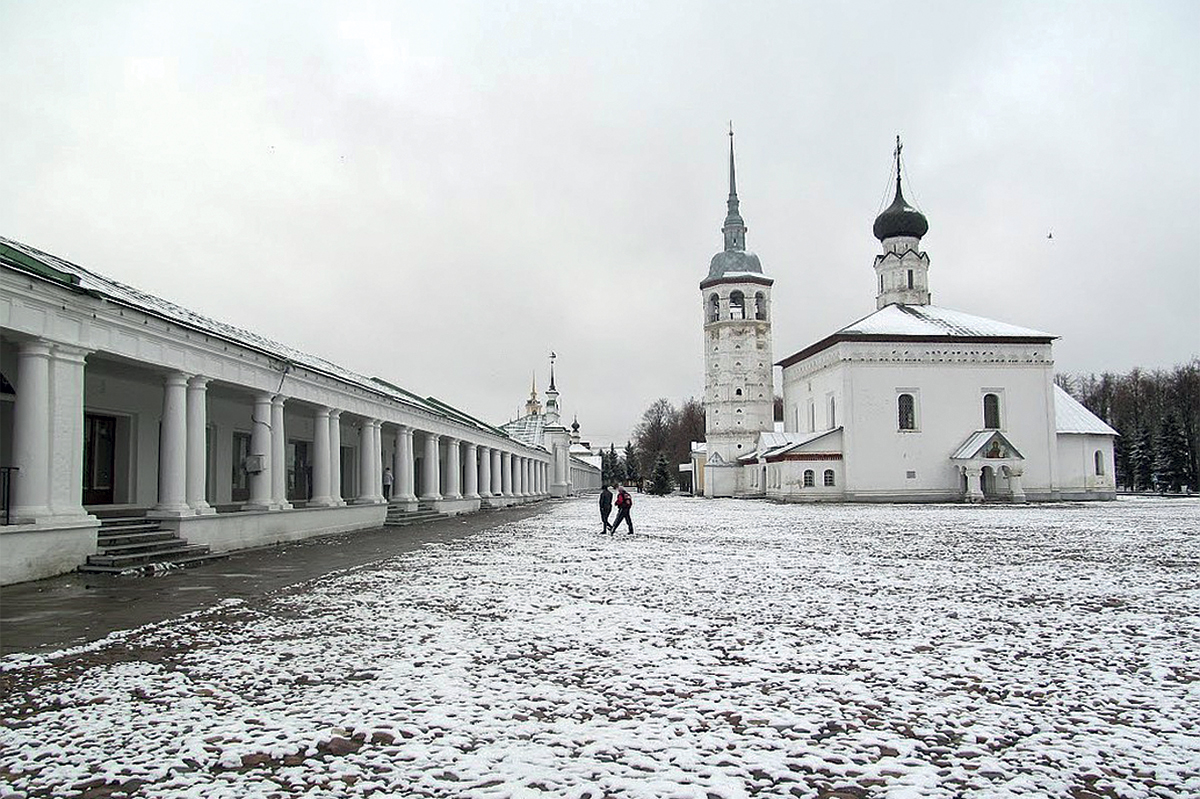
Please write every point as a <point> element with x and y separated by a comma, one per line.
<point>738,392</point>
<point>991,411</point>
<point>737,305</point>
<point>828,477</point>
<point>760,306</point>
<point>812,416</point>
<point>809,478</point>
<point>1099,457</point>
<point>832,412</point>
<point>910,278</point>
<point>907,408</point>
<point>714,308</point>
<point>881,284</point>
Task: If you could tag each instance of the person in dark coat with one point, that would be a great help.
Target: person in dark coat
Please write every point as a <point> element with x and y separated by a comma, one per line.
<point>605,507</point>
<point>624,503</point>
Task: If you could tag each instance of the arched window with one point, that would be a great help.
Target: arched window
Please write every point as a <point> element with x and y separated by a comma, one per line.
<point>714,308</point>
<point>832,413</point>
<point>991,411</point>
<point>908,412</point>
<point>738,393</point>
<point>809,478</point>
<point>829,477</point>
<point>737,305</point>
<point>910,278</point>
<point>1099,463</point>
<point>760,306</point>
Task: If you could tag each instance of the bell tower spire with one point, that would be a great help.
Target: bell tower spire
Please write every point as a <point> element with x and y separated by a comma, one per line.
<point>734,228</point>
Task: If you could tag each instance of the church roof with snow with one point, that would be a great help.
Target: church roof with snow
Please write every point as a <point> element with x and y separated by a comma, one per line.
<point>530,430</point>
<point>924,323</point>
<point>25,258</point>
<point>1070,416</point>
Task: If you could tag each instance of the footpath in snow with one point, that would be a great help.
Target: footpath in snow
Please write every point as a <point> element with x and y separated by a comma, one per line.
<point>730,648</point>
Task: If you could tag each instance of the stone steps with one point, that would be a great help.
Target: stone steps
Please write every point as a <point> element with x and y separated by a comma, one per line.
<point>127,544</point>
<point>398,517</point>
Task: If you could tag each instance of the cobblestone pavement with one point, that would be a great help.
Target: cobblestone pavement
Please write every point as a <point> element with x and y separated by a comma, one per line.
<point>729,649</point>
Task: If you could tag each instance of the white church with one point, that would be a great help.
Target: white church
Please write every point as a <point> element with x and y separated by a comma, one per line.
<point>912,403</point>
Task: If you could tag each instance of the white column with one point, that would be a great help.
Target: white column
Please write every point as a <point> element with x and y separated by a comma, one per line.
<point>172,447</point>
<point>260,452</point>
<point>31,433</point>
<point>485,472</point>
<point>506,474</point>
<point>335,457</point>
<point>66,431</point>
<point>377,452</point>
<point>278,455</point>
<point>366,471</point>
<point>197,450</point>
<point>432,487</point>
<point>405,476</point>
<point>497,474</point>
<point>471,489</point>
<point>519,487</point>
<point>453,468</point>
<point>322,460</point>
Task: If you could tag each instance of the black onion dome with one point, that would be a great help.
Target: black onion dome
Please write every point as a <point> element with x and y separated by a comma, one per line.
<point>900,219</point>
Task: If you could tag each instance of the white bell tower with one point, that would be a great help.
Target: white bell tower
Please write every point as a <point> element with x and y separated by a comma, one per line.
<point>739,387</point>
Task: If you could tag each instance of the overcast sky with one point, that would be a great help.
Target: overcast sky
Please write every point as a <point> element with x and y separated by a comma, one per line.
<point>440,193</point>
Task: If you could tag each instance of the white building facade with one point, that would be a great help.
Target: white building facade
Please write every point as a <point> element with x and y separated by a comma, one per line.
<point>117,402</point>
<point>917,403</point>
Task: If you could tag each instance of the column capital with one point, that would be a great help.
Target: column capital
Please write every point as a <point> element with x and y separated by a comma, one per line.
<point>278,399</point>
<point>322,412</point>
<point>71,353</point>
<point>176,378</point>
<point>198,381</point>
<point>335,413</point>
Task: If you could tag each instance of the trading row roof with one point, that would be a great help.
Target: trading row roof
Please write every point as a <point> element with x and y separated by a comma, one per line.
<point>29,259</point>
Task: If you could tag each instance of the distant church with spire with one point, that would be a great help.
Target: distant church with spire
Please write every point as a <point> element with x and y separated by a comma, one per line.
<point>574,467</point>
<point>912,403</point>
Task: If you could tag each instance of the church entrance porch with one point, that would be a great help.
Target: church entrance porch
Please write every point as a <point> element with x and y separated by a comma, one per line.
<point>991,468</point>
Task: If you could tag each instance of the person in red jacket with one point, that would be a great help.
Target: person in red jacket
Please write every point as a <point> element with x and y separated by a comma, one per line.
<point>624,503</point>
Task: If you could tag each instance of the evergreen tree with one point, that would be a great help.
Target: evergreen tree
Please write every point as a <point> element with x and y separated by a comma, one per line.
<point>632,474</point>
<point>1172,456</point>
<point>608,466</point>
<point>660,482</point>
<point>618,468</point>
<point>1141,460</point>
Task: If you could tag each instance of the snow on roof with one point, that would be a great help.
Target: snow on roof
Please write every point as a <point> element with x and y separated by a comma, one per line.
<point>95,283</point>
<point>922,323</point>
<point>930,320</point>
<point>1072,417</point>
<point>530,430</point>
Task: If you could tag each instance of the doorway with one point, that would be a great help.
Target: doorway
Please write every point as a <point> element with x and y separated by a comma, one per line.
<point>299,478</point>
<point>99,458</point>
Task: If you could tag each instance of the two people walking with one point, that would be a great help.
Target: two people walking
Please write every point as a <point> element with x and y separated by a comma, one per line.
<point>624,502</point>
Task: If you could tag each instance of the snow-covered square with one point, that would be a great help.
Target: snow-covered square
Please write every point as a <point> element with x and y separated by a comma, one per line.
<point>729,648</point>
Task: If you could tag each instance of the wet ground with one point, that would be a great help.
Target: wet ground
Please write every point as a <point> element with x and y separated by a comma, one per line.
<point>78,608</point>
